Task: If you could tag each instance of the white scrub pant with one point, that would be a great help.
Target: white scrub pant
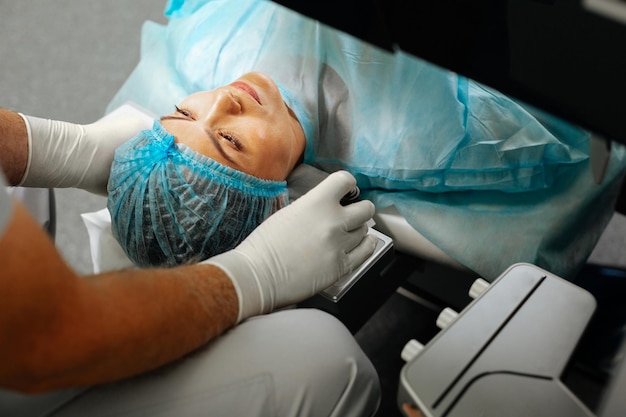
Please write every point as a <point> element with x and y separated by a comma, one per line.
<point>290,363</point>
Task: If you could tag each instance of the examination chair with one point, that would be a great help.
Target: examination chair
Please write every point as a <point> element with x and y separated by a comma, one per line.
<point>40,203</point>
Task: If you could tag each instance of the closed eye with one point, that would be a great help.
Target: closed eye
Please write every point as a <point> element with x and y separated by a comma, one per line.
<point>187,115</point>
<point>184,112</point>
<point>232,139</point>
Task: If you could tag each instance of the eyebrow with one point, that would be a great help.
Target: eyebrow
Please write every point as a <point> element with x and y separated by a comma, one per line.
<point>211,136</point>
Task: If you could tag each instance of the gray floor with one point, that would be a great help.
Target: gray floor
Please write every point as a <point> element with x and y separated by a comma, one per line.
<point>66,59</point>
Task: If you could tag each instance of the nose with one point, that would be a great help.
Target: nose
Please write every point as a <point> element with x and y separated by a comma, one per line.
<point>225,103</point>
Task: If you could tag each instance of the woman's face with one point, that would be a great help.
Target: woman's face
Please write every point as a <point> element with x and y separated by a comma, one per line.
<point>245,125</point>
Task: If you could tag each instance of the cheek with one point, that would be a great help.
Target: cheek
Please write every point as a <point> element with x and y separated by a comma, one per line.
<point>271,160</point>
<point>273,152</point>
<point>276,150</point>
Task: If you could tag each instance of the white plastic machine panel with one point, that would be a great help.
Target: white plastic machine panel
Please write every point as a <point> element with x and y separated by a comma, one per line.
<point>508,347</point>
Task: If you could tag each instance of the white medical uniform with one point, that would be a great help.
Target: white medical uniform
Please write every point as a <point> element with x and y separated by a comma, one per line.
<point>290,363</point>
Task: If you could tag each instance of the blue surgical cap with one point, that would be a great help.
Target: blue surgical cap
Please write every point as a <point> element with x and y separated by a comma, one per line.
<point>171,205</point>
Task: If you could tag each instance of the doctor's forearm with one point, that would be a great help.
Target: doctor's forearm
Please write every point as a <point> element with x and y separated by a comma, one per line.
<point>59,330</point>
<point>157,316</point>
<point>126,324</point>
<point>13,146</point>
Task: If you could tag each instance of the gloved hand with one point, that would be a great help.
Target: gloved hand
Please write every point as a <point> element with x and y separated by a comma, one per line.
<point>301,249</point>
<point>62,154</point>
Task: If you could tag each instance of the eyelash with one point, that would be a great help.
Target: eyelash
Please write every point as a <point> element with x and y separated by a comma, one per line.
<point>232,139</point>
<point>229,137</point>
<point>182,111</point>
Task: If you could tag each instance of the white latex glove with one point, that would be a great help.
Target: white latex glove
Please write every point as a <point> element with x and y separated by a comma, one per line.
<point>301,249</point>
<point>62,154</point>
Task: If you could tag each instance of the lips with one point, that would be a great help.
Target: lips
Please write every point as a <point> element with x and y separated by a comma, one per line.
<point>247,89</point>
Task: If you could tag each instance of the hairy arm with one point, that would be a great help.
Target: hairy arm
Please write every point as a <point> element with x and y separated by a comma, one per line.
<point>13,146</point>
<point>61,330</point>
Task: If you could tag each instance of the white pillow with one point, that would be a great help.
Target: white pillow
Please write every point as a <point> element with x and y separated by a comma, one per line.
<point>106,253</point>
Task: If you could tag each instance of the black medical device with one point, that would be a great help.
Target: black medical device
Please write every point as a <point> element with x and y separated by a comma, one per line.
<point>355,297</point>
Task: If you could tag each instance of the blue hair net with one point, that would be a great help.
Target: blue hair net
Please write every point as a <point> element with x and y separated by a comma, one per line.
<point>171,205</point>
